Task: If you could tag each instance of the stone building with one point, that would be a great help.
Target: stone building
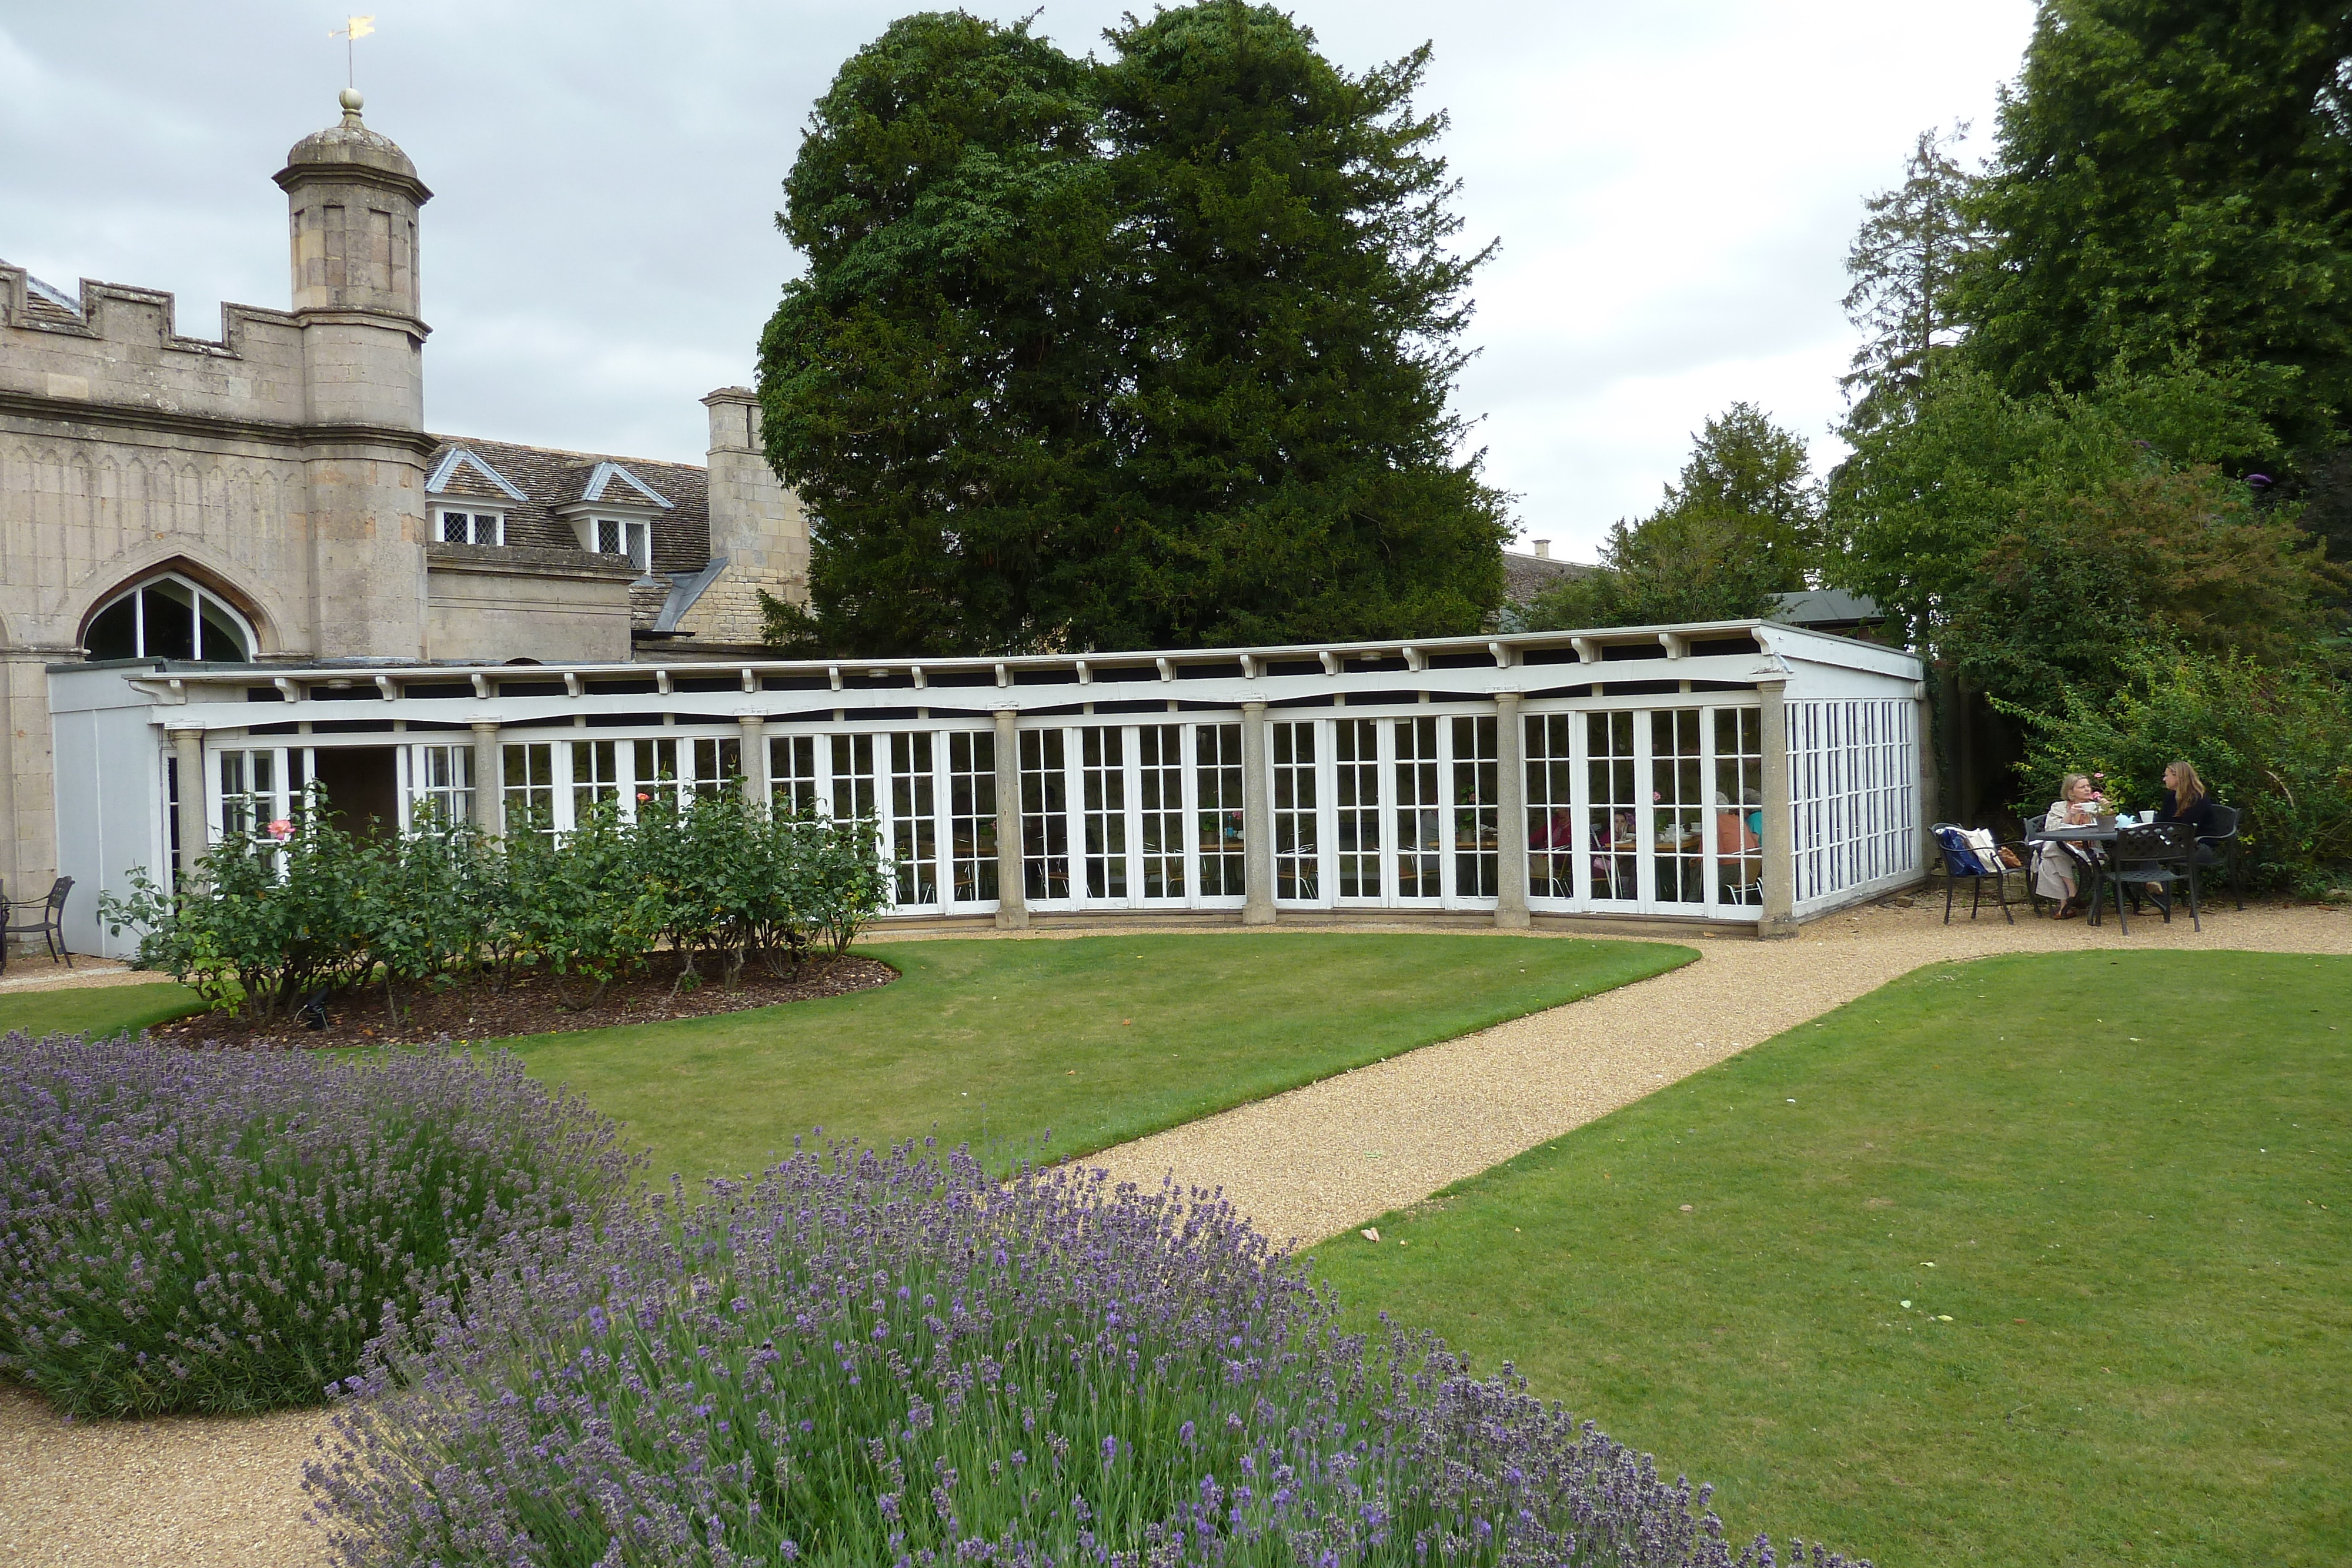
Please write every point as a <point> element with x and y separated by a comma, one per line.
<point>233,571</point>
<point>274,498</point>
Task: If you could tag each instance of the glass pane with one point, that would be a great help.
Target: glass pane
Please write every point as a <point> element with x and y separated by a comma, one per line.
<point>1678,825</point>
<point>1419,814</point>
<point>1298,859</point>
<point>1102,773</point>
<point>224,642</point>
<point>171,615</point>
<point>114,632</point>
<point>1357,791</point>
<point>1044,815</point>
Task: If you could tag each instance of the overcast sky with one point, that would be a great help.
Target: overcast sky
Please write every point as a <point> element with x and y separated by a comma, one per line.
<point>1674,185</point>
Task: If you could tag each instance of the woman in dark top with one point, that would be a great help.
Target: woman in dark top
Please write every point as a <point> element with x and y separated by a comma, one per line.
<point>2185,800</point>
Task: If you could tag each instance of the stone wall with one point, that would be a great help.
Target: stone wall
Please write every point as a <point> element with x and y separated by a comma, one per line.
<point>496,603</point>
<point>127,449</point>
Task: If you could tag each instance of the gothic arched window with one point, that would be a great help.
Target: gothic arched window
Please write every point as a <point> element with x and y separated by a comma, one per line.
<point>168,617</point>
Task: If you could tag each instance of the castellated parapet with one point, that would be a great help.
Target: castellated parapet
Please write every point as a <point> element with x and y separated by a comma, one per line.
<point>280,466</point>
<point>283,471</point>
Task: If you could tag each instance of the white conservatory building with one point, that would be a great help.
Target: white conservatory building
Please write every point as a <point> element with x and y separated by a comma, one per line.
<point>1744,775</point>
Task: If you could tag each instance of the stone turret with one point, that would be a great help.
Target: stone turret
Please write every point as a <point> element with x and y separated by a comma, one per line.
<point>354,197</point>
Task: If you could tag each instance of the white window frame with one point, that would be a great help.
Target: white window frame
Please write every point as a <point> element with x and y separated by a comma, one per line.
<point>200,598</point>
<point>477,523</point>
<point>1387,810</point>
<point>440,771</point>
<point>1127,815</point>
<point>1719,901</point>
<point>637,536</point>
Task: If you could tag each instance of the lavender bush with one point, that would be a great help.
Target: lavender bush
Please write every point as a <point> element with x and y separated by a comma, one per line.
<point>213,1230</point>
<point>894,1360</point>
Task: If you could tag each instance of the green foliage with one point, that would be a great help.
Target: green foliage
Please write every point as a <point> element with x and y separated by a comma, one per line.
<point>2172,179</point>
<point>421,904</point>
<point>931,386</point>
<point>1928,512</point>
<point>1903,262</point>
<point>269,922</point>
<point>1742,523</point>
<point>2275,743</point>
<point>1154,352</point>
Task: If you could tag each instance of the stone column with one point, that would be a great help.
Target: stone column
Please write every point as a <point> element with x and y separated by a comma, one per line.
<point>1012,897</point>
<point>1510,813</point>
<point>1779,915</point>
<point>195,837</point>
<point>489,778</point>
<point>756,784</point>
<point>1257,822</point>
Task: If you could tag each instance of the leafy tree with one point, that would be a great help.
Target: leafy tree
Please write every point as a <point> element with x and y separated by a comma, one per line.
<point>1290,315</point>
<point>2065,596</point>
<point>1669,568</point>
<point>1903,261</point>
<point>2175,176</point>
<point>1919,508</point>
<point>933,386</point>
<point>1741,524</point>
<point>2035,548</point>
<point>1150,353</point>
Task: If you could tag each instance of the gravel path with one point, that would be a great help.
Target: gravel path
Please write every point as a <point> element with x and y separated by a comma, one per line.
<point>1324,1159</point>
<point>204,1491</point>
<point>1306,1164</point>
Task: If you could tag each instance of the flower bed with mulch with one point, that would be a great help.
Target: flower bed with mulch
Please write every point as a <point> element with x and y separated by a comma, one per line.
<point>534,1004</point>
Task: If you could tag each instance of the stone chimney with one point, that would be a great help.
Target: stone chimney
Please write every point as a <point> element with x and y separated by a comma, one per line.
<point>1543,549</point>
<point>756,528</point>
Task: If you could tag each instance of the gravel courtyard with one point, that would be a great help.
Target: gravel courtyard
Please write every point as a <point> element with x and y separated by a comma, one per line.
<point>1306,1166</point>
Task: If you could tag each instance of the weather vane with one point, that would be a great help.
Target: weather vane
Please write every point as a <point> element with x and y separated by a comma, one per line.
<point>354,29</point>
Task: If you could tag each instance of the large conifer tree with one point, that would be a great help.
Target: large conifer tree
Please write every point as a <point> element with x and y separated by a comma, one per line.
<point>933,386</point>
<point>1290,315</point>
<point>1155,352</point>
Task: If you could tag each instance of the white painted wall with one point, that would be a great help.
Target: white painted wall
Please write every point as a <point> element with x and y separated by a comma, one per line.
<point>110,797</point>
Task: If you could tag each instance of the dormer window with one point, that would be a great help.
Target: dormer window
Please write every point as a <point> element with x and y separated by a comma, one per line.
<point>628,537</point>
<point>470,527</point>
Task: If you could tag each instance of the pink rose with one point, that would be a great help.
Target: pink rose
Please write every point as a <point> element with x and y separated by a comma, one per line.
<point>281,830</point>
<point>645,797</point>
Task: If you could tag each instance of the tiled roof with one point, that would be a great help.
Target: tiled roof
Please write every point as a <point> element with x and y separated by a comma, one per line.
<point>1525,576</point>
<point>549,478</point>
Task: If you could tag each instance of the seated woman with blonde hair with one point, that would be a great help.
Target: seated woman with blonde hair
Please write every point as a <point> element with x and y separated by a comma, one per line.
<point>2058,867</point>
<point>2186,801</point>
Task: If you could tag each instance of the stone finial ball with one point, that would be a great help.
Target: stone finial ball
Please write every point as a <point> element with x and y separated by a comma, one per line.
<point>350,99</point>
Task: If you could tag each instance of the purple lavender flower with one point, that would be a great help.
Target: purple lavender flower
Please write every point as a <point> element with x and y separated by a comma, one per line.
<point>221,1231</point>
<point>1154,1330</point>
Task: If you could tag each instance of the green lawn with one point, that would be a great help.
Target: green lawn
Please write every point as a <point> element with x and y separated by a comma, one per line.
<point>104,1009</point>
<point>1097,1038</point>
<point>2121,1179</point>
